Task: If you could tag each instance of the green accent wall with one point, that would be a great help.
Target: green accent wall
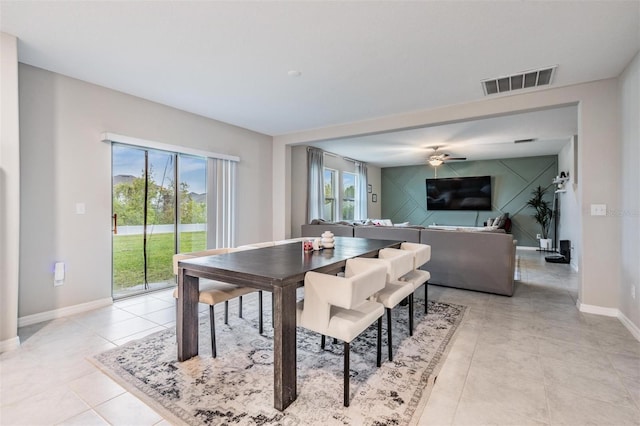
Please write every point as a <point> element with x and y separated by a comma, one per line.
<point>404,193</point>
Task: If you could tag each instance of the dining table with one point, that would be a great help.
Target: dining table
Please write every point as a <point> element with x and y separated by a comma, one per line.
<point>279,269</point>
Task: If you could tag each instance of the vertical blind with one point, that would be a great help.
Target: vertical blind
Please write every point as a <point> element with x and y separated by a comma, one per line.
<point>221,214</point>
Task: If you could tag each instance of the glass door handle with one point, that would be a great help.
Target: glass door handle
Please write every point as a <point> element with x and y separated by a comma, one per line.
<point>115,223</point>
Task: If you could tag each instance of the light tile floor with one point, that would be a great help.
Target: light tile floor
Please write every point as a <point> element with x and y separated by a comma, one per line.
<point>534,359</point>
<point>529,359</point>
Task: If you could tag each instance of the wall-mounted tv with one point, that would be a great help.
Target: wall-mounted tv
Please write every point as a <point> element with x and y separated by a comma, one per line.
<point>459,193</point>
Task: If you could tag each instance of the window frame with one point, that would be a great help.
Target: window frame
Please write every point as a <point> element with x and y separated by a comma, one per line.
<point>335,201</point>
<point>344,199</point>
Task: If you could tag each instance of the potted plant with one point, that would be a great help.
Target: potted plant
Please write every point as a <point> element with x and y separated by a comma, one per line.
<point>543,214</point>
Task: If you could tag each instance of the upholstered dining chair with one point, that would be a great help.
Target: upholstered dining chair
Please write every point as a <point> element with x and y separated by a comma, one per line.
<point>417,277</point>
<point>398,263</point>
<point>339,307</point>
<point>215,292</point>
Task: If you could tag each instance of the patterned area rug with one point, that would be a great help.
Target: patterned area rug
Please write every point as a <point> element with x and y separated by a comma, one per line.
<point>237,386</point>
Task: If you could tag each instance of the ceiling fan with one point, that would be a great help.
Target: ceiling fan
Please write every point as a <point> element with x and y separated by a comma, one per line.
<point>436,159</point>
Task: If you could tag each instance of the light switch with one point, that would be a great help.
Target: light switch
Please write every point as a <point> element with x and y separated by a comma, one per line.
<point>80,208</point>
<point>598,209</point>
<point>58,274</point>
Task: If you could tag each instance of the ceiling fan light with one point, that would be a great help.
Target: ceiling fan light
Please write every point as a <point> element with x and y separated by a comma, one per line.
<point>435,162</point>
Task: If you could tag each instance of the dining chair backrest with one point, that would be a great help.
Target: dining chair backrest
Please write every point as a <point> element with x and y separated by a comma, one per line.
<point>321,291</point>
<point>182,256</point>
<point>258,245</point>
<point>399,262</point>
<point>421,253</point>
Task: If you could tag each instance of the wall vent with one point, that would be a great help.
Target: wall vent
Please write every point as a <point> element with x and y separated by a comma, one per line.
<point>521,80</point>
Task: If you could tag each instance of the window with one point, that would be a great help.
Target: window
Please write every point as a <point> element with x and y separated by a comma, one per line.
<point>348,195</point>
<point>330,188</point>
<point>165,201</point>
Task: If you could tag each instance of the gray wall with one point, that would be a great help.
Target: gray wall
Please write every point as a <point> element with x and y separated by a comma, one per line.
<point>9,193</point>
<point>629,211</point>
<point>404,193</point>
<point>63,162</point>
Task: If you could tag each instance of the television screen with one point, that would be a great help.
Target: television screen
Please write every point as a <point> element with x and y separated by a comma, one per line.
<point>459,193</point>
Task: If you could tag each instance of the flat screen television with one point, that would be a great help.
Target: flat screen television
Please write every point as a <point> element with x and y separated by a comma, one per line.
<point>459,193</point>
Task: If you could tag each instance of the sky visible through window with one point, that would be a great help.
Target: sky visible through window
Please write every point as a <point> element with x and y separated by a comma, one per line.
<point>130,161</point>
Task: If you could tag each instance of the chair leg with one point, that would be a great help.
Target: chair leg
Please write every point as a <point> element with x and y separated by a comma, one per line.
<point>213,331</point>
<point>240,307</point>
<point>260,325</point>
<point>411,314</point>
<point>346,374</point>
<point>426,286</point>
<point>323,340</point>
<point>226,312</point>
<point>335,341</point>
<point>389,334</point>
<point>379,343</point>
<point>176,319</point>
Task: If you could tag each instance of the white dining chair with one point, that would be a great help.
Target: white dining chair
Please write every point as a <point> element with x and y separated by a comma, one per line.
<point>398,263</point>
<point>417,277</point>
<point>215,292</point>
<point>339,307</point>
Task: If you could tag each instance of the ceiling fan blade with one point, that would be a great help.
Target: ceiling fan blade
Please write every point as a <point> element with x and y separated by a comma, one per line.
<point>456,158</point>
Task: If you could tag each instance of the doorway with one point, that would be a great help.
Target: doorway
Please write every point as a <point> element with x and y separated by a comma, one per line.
<point>147,228</point>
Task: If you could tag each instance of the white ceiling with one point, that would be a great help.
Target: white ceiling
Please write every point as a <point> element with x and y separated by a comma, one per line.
<point>484,139</point>
<point>359,60</point>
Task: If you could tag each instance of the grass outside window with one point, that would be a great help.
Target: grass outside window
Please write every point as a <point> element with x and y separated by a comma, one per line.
<point>128,259</point>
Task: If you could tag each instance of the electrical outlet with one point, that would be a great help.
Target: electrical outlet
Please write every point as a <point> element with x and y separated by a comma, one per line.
<point>633,292</point>
<point>538,236</point>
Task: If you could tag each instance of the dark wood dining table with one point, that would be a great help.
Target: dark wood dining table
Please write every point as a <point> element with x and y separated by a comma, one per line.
<point>279,269</point>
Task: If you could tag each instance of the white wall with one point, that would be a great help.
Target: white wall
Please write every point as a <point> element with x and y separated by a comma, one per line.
<point>598,133</point>
<point>63,162</point>
<point>629,212</point>
<point>569,223</point>
<point>9,192</point>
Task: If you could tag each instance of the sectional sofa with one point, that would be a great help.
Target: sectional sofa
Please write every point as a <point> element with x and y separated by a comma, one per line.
<point>466,258</point>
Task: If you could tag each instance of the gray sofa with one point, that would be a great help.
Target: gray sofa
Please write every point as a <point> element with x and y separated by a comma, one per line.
<point>409,234</point>
<point>482,261</point>
<point>337,229</point>
<point>472,260</point>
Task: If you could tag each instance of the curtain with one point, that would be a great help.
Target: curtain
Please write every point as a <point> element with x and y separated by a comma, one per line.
<point>221,205</point>
<point>315,184</point>
<point>362,197</point>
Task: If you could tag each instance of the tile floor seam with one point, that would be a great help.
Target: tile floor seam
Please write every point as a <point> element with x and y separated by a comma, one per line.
<point>596,399</point>
<point>464,384</point>
<point>546,391</point>
<point>634,401</point>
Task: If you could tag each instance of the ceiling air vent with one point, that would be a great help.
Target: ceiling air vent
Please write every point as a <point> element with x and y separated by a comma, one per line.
<point>521,80</point>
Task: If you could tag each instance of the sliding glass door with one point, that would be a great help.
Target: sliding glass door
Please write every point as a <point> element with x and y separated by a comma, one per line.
<point>148,229</point>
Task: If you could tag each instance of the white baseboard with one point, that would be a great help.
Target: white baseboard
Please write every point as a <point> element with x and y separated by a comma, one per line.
<point>63,312</point>
<point>597,310</point>
<point>611,312</point>
<point>9,344</point>
<point>630,326</point>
